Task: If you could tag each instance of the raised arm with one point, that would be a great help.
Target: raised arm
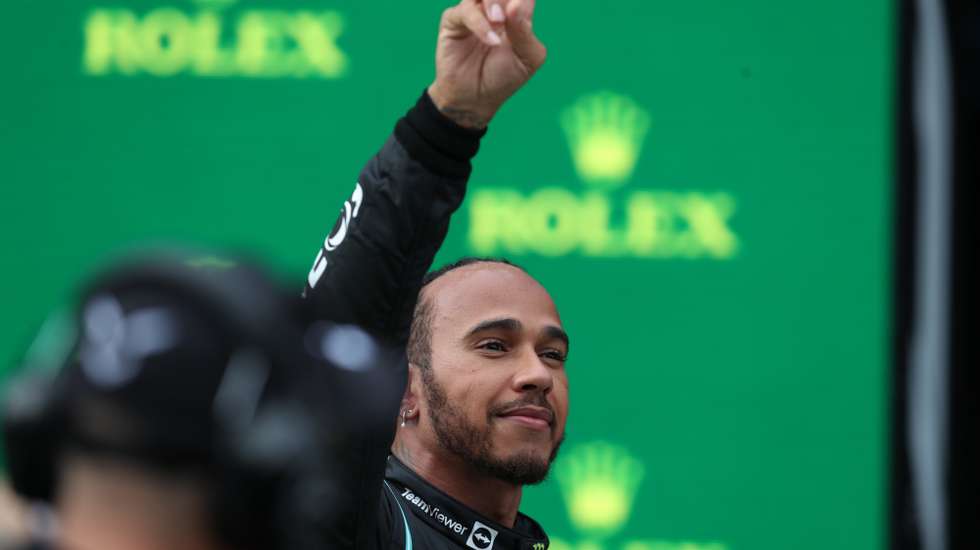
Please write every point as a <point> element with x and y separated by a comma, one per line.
<point>370,267</point>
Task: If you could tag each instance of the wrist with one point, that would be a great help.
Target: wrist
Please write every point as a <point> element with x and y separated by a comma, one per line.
<point>435,140</point>
<point>460,112</point>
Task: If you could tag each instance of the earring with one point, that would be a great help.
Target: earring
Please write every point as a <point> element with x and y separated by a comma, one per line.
<point>405,414</point>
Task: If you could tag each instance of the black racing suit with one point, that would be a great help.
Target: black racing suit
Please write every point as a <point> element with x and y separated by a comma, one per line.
<point>369,272</point>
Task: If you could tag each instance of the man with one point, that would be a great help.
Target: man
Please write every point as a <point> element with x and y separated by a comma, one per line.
<point>484,407</point>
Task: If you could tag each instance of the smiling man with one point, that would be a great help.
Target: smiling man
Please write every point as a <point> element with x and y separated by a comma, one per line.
<point>485,395</point>
<point>487,398</point>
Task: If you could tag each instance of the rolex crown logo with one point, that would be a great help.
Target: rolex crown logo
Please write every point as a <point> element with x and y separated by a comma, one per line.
<point>605,131</point>
<point>599,482</point>
<point>538,546</point>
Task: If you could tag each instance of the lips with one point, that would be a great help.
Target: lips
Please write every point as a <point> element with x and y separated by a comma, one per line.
<point>532,414</point>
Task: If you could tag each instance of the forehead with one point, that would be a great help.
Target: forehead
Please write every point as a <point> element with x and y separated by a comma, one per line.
<point>490,290</point>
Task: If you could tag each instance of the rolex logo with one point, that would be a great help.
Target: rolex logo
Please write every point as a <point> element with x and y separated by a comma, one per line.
<point>605,131</point>
<point>538,546</point>
<point>599,482</point>
<point>214,38</point>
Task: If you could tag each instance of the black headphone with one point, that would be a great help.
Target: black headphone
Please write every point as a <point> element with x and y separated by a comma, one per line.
<point>272,478</point>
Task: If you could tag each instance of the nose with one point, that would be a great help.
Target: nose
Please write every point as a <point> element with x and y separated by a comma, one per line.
<point>533,374</point>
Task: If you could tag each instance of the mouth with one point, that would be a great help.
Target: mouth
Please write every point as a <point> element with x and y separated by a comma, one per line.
<point>538,418</point>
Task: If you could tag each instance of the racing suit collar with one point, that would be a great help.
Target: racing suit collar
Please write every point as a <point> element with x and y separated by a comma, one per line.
<point>458,522</point>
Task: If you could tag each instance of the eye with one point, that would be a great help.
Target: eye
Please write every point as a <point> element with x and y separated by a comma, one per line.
<point>492,345</point>
<point>554,355</point>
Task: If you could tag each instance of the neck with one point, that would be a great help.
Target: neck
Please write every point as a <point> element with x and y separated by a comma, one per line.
<point>488,496</point>
<point>114,506</point>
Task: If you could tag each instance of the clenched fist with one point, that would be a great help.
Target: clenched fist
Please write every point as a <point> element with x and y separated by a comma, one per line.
<point>486,51</point>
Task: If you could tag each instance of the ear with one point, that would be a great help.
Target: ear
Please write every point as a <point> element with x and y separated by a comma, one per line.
<point>413,390</point>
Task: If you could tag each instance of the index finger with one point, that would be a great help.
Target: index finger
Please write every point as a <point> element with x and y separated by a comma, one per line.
<point>468,17</point>
<point>494,10</point>
<point>522,10</point>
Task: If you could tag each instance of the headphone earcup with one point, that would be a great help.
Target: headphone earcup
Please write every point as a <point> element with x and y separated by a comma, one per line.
<point>32,427</point>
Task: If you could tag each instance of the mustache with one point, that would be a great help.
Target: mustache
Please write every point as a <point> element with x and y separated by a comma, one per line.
<point>536,400</point>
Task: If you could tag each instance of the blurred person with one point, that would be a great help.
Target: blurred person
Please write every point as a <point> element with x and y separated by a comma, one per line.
<point>486,395</point>
<point>180,417</point>
<point>14,517</point>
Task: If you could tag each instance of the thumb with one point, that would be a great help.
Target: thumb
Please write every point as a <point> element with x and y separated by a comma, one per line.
<point>520,33</point>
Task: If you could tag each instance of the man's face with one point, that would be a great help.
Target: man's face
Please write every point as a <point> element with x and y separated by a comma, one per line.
<point>496,392</point>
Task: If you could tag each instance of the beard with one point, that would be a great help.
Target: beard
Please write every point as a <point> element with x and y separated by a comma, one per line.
<point>474,444</point>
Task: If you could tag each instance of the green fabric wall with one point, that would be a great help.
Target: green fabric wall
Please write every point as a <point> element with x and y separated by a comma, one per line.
<point>704,186</point>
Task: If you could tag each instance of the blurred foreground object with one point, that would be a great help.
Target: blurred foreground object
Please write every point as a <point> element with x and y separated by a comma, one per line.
<point>935,455</point>
<point>188,412</point>
<point>13,518</point>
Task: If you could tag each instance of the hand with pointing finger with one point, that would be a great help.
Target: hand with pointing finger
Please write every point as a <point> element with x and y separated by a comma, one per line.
<point>486,51</point>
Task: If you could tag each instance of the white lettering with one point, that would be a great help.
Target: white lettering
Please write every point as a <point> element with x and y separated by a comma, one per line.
<point>319,266</point>
<point>348,213</point>
<point>434,512</point>
<point>335,240</point>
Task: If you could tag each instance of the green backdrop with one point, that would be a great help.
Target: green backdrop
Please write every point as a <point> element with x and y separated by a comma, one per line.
<point>703,186</point>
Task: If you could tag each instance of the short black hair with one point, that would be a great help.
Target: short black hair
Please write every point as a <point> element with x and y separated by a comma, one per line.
<point>420,336</point>
<point>463,262</point>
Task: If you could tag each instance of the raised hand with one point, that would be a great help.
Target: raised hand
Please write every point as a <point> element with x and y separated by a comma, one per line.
<point>486,51</point>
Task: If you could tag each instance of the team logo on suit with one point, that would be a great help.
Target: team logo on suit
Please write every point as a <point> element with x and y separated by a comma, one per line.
<point>481,537</point>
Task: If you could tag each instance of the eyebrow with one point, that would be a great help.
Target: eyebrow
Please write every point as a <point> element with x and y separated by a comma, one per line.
<point>513,325</point>
<point>557,333</point>
<point>505,323</point>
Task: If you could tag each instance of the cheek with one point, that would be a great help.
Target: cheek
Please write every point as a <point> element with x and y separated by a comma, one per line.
<point>478,395</point>
<point>559,394</point>
<point>470,384</point>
